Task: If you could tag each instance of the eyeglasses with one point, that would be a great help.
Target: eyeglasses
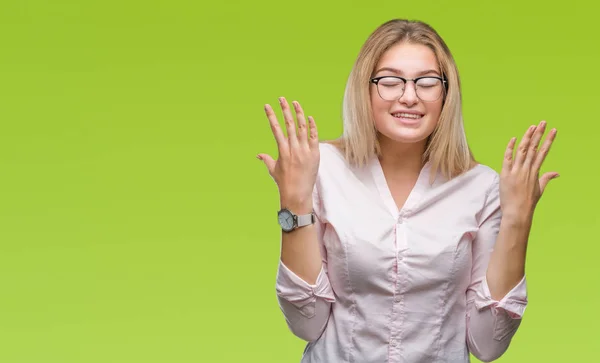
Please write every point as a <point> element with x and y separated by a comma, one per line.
<point>428,88</point>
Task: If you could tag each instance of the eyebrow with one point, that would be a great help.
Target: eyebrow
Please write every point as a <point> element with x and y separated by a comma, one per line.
<point>397,71</point>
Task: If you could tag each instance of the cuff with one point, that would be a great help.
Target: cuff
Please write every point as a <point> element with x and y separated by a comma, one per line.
<point>299,293</point>
<point>513,303</point>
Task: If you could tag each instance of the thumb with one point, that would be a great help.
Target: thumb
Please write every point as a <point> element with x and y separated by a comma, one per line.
<point>268,160</point>
<point>546,178</point>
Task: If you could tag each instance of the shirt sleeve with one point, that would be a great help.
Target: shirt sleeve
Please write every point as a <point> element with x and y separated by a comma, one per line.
<point>491,324</point>
<point>306,307</point>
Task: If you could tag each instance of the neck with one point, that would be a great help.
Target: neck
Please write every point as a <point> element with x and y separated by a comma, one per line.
<point>399,157</point>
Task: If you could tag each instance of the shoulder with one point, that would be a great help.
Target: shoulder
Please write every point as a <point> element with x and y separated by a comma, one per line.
<point>480,180</point>
<point>486,173</point>
<point>334,169</point>
<point>330,148</point>
<point>487,181</point>
<point>331,156</point>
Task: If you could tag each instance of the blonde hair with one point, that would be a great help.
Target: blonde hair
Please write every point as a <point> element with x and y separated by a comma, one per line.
<point>447,149</point>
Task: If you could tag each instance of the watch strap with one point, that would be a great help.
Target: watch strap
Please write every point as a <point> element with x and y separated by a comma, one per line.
<point>305,219</point>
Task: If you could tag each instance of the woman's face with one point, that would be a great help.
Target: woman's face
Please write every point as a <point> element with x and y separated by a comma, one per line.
<point>407,119</point>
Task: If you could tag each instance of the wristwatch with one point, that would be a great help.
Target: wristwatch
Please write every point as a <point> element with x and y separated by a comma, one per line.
<point>290,221</point>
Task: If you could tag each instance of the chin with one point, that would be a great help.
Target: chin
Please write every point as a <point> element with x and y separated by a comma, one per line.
<point>411,132</point>
<point>406,138</point>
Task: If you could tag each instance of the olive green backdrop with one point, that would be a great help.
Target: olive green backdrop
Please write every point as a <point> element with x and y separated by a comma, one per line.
<point>136,224</point>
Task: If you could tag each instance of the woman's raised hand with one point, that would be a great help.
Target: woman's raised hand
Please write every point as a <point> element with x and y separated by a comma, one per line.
<point>295,171</point>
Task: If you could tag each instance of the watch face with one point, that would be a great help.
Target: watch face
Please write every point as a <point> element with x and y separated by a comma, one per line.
<point>286,220</point>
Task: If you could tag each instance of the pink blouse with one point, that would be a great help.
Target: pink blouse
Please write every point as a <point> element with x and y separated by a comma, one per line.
<point>402,285</point>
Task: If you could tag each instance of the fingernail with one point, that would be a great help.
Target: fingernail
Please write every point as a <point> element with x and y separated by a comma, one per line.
<point>259,157</point>
<point>281,100</point>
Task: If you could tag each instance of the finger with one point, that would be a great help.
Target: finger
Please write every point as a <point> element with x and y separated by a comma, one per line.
<point>302,130</point>
<point>290,125</point>
<point>541,155</point>
<point>276,129</point>
<point>534,144</point>
<point>508,154</point>
<point>523,147</point>
<point>268,161</point>
<point>546,178</point>
<point>313,141</point>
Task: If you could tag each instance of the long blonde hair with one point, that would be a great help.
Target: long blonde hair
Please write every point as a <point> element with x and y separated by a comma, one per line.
<point>447,149</point>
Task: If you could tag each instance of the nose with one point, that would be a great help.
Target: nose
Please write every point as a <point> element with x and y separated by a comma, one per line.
<point>409,97</point>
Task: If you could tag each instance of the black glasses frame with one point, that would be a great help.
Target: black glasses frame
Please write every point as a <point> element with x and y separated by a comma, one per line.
<point>375,80</point>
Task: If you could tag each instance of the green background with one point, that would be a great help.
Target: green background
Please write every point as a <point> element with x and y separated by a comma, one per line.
<point>136,224</point>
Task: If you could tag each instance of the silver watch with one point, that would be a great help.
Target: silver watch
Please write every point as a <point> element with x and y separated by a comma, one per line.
<point>290,221</point>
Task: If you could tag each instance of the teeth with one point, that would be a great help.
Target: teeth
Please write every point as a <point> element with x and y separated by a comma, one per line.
<point>407,115</point>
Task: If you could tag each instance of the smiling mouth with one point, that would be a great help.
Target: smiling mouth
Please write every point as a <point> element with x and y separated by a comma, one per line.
<point>404,115</point>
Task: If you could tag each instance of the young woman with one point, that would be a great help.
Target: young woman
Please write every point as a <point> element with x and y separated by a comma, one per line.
<point>397,246</point>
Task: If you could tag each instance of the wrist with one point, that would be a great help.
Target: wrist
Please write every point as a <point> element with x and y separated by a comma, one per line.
<point>517,222</point>
<point>298,207</point>
<point>517,218</point>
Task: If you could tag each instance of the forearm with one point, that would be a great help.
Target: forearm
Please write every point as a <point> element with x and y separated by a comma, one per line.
<point>300,248</point>
<point>488,334</point>
<point>306,308</point>
<point>507,262</point>
<point>303,288</point>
